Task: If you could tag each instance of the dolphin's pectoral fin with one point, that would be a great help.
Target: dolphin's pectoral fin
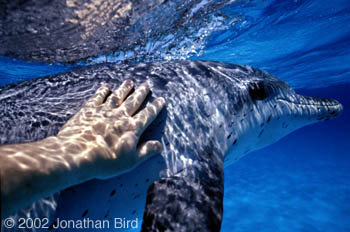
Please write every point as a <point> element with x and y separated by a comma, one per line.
<point>188,201</point>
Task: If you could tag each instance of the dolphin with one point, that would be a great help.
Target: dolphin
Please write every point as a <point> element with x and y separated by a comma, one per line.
<point>215,114</point>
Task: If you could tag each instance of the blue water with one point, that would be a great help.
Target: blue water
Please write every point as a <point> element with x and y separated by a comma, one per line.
<point>303,42</point>
<point>12,71</point>
<point>301,183</point>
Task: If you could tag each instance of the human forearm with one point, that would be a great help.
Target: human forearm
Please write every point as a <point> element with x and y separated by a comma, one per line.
<point>31,171</point>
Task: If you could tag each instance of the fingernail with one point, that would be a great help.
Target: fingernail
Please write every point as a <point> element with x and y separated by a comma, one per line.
<point>104,84</point>
<point>146,84</point>
<point>157,145</point>
<point>128,83</point>
<point>161,100</point>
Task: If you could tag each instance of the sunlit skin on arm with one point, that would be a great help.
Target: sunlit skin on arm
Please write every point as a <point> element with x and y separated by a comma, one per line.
<point>100,141</point>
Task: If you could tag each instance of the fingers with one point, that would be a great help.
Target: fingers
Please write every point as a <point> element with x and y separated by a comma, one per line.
<point>149,149</point>
<point>134,101</point>
<point>145,117</point>
<point>99,97</point>
<point>118,96</point>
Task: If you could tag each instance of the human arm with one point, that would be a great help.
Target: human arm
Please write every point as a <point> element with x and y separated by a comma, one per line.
<point>100,141</point>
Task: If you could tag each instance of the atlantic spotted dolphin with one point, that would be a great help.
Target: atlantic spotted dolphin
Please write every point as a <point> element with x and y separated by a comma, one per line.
<point>215,113</point>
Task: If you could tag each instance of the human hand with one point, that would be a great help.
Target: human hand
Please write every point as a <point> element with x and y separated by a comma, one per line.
<point>102,138</point>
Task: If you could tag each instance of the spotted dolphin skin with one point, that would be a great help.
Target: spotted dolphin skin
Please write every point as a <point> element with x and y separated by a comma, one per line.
<point>215,113</point>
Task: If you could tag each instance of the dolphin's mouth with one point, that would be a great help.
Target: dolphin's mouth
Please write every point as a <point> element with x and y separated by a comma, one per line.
<point>312,101</point>
<point>330,106</point>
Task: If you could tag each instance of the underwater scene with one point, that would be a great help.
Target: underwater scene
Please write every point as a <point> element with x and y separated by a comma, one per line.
<point>299,183</point>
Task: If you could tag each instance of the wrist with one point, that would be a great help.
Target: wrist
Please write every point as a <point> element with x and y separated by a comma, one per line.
<point>64,159</point>
<point>81,157</point>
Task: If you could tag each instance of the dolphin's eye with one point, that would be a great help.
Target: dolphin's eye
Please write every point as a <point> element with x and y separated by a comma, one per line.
<point>257,91</point>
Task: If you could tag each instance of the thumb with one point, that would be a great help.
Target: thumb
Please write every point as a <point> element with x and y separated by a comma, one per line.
<point>149,148</point>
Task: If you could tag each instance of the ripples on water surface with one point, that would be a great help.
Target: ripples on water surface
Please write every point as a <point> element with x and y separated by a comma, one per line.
<point>304,187</point>
<point>303,42</point>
